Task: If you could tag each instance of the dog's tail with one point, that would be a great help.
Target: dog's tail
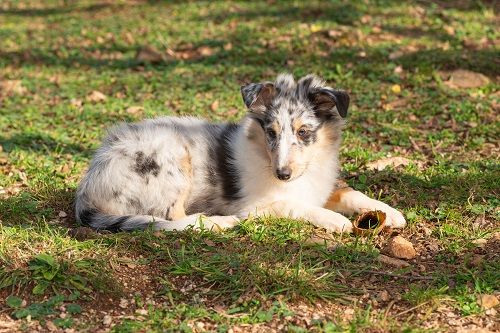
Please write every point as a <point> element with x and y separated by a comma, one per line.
<point>115,223</point>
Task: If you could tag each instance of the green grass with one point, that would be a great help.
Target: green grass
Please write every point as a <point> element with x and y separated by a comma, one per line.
<point>267,272</point>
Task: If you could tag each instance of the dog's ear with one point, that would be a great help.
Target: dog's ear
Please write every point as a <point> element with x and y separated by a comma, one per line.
<point>258,96</point>
<point>326,100</point>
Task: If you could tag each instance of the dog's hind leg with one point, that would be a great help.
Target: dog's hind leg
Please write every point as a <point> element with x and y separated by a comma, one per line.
<point>348,201</point>
<point>199,222</point>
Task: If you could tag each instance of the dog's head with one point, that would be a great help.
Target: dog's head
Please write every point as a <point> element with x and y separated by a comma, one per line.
<point>295,121</point>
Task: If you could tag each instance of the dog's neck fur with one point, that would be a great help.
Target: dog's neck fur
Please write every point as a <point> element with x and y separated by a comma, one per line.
<point>260,186</point>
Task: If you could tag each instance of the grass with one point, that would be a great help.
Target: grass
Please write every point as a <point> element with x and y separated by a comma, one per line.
<point>281,274</point>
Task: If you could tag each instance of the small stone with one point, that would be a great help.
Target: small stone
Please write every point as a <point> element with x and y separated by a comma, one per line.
<point>62,214</point>
<point>487,301</point>
<point>399,247</point>
<point>392,261</point>
<point>123,303</point>
<point>106,321</point>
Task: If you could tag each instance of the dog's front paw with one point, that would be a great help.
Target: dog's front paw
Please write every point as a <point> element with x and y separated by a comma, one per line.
<point>332,221</point>
<point>217,223</point>
<point>394,218</point>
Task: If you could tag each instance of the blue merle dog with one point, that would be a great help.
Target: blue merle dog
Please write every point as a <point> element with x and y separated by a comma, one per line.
<point>281,160</point>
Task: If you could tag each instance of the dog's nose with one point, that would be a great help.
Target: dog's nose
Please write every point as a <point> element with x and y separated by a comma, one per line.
<point>284,173</point>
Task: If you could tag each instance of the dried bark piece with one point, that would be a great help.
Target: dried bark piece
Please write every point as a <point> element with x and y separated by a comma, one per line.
<point>369,223</point>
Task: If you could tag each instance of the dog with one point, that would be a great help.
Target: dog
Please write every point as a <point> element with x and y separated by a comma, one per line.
<point>280,160</point>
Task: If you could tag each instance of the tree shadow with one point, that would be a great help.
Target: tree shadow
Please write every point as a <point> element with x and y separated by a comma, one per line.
<point>41,143</point>
<point>47,11</point>
<point>342,13</point>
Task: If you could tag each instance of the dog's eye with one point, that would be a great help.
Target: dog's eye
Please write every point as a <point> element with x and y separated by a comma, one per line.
<point>303,133</point>
<point>271,134</point>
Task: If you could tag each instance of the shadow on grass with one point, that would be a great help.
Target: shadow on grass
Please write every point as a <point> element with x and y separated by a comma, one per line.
<point>48,11</point>
<point>41,143</point>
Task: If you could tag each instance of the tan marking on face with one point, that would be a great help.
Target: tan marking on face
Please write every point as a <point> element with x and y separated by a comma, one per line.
<point>336,197</point>
<point>327,136</point>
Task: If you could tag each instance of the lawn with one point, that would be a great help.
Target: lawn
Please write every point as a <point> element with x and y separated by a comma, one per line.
<point>70,69</point>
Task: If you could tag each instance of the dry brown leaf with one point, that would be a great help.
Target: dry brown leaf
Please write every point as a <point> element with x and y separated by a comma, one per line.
<point>465,79</point>
<point>149,54</point>
<point>134,109</point>
<point>205,51</point>
<point>388,161</point>
<point>96,97</point>
<point>214,106</point>
<point>8,87</point>
<point>76,102</point>
<point>487,301</point>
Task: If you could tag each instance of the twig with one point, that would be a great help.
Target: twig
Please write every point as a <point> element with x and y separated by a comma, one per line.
<point>411,309</point>
<point>418,277</point>
<point>388,309</point>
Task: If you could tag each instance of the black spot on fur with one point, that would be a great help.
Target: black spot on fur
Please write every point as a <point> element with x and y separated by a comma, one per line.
<point>116,194</point>
<point>223,159</point>
<point>145,165</point>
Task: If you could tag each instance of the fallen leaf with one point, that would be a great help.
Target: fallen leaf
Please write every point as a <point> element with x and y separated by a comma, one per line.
<point>205,51</point>
<point>228,46</point>
<point>465,79</point>
<point>487,301</point>
<point>388,161</point>
<point>62,214</point>
<point>8,87</point>
<point>214,106</point>
<point>480,242</point>
<point>396,89</point>
<point>149,54</point>
<point>96,97</point>
<point>76,102</point>
<point>107,320</point>
<point>134,109</point>
<point>315,28</point>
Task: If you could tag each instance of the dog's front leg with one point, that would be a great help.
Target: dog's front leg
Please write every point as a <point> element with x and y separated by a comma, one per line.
<point>348,201</point>
<point>320,217</point>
